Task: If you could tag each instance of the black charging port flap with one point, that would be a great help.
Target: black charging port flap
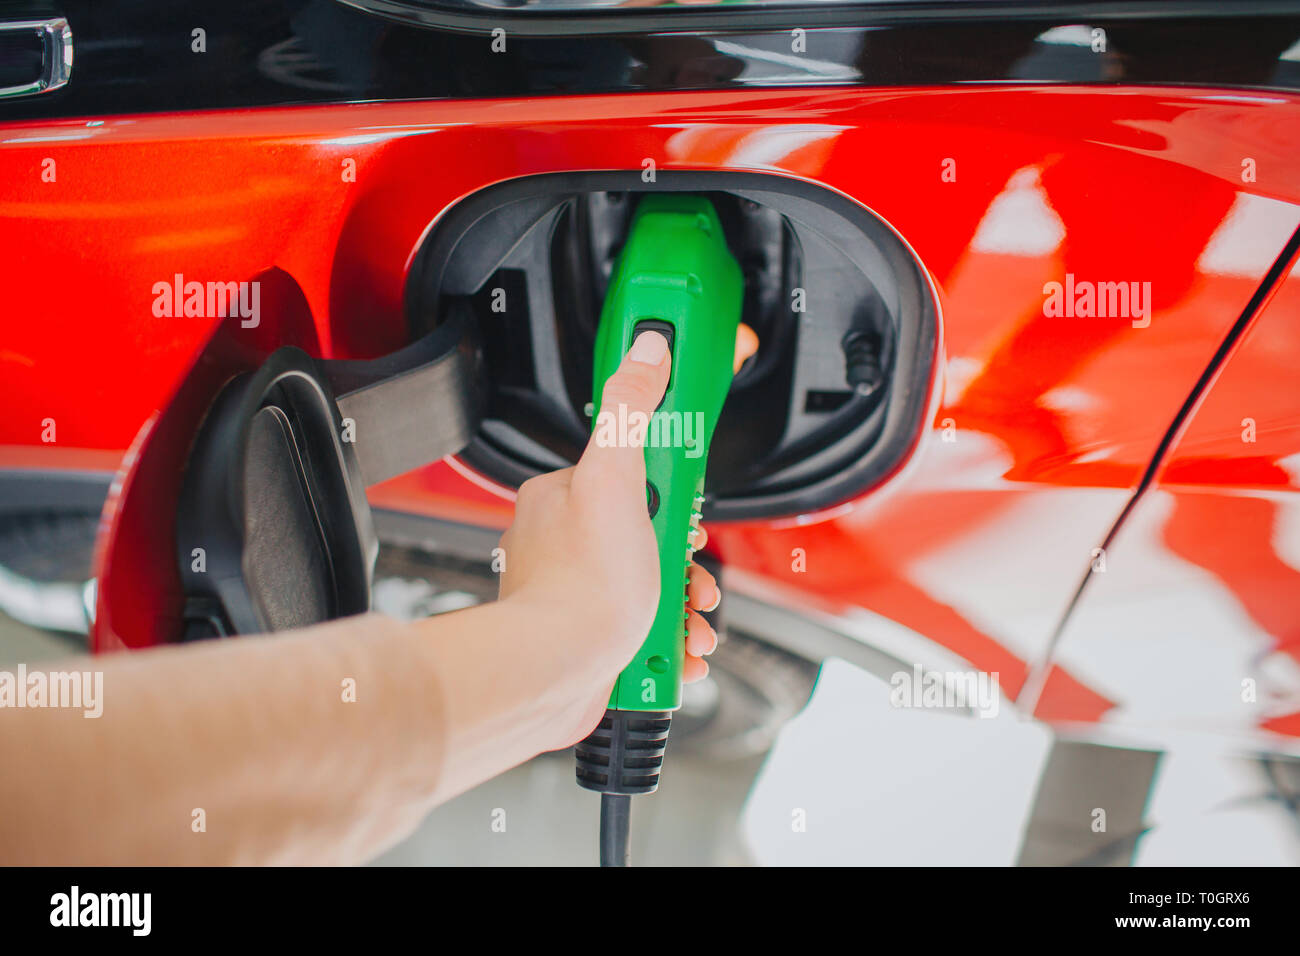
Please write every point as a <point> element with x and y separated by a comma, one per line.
<point>273,530</point>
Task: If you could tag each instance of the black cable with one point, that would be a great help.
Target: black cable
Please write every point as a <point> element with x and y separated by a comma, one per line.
<point>615,825</point>
<point>619,759</point>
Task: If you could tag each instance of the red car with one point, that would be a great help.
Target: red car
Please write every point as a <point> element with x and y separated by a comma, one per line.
<point>1060,242</point>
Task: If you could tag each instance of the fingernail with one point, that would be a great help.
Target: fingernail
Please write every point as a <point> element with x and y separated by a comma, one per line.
<point>650,348</point>
<point>717,599</point>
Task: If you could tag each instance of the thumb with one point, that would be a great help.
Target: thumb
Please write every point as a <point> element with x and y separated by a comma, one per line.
<point>630,396</point>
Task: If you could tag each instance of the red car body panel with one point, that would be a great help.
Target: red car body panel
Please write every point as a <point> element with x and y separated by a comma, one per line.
<point>1043,425</point>
<point>1203,607</point>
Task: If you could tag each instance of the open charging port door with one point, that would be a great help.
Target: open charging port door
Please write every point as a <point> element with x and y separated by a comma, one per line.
<point>243,508</point>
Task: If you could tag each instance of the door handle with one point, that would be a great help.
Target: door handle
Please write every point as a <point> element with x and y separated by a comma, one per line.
<point>56,55</point>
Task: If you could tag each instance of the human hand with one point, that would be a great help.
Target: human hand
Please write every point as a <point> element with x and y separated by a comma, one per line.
<point>582,549</point>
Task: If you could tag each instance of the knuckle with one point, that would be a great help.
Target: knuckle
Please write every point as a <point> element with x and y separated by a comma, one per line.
<point>531,489</point>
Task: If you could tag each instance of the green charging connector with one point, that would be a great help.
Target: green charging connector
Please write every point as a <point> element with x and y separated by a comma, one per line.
<point>675,276</point>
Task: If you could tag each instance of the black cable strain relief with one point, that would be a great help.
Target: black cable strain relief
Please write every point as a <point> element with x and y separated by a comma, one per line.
<point>625,753</point>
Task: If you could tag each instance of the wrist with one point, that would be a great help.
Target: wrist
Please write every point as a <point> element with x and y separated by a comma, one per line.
<point>515,678</point>
<point>583,636</point>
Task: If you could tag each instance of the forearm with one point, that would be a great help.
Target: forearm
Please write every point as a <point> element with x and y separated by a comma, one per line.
<point>323,745</point>
<point>519,676</point>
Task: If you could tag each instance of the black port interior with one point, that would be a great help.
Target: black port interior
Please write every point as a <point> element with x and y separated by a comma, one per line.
<point>830,404</point>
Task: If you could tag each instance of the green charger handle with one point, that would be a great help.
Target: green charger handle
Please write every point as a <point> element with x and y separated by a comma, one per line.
<point>675,276</point>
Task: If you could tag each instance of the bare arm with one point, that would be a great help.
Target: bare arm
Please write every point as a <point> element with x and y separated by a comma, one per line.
<point>321,746</point>
<point>328,745</point>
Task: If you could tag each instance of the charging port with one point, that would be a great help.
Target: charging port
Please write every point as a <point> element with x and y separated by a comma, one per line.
<point>827,407</point>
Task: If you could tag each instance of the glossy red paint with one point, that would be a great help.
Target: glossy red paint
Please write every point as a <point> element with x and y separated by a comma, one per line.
<point>139,597</point>
<point>1197,621</point>
<point>1043,424</point>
